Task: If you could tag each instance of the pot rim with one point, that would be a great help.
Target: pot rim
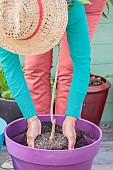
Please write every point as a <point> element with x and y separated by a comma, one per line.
<point>100,88</point>
<point>8,100</point>
<point>4,124</point>
<point>47,154</point>
<point>54,116</point>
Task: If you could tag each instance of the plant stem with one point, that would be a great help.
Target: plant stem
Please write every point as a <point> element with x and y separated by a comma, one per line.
<point>53,93</point>
<point>53,129</point>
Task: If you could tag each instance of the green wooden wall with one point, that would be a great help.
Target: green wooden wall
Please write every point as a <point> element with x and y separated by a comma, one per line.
<point>102,58</point>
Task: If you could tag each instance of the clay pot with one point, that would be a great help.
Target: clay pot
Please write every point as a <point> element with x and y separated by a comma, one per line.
<point>95,101</point>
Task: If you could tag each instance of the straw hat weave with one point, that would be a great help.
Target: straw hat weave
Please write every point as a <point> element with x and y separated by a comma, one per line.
<point>32,27</point>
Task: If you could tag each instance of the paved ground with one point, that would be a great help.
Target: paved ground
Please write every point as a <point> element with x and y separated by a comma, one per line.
<point>104,159</point>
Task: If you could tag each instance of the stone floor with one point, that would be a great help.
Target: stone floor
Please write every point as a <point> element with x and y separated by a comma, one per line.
<point>104,159</point>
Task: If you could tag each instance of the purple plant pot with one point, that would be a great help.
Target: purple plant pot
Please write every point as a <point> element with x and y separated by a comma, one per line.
<point>33,159</point>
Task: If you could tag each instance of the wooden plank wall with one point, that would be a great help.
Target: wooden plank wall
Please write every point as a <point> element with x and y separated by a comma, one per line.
<point>102,58</point>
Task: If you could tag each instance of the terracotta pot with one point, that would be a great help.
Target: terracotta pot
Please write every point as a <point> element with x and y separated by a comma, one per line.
<point>9,110</point>
<point>95,101</point>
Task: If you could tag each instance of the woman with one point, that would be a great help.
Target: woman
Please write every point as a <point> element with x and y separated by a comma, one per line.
<point>37,72</point>
<point>79,46</point>
<point>93,14</point>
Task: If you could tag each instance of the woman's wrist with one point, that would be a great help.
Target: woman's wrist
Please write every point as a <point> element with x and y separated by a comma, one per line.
<point>71,118</point>
<point>31,119</point>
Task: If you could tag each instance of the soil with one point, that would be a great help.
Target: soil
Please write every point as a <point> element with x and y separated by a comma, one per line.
<point>59,142</point>
<point>95,81</point>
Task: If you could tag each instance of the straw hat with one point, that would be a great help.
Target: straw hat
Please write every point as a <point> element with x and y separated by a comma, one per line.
<point>32,26</point>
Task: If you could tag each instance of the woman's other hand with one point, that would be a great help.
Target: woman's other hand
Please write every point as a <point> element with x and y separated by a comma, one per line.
<point>34,129</point>
<point>69,131</point>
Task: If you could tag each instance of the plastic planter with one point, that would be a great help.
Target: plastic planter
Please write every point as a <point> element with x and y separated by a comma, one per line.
<point>9,110</point>
<point>3,124</point>
<point>30,158</point>
<point>95,101</point>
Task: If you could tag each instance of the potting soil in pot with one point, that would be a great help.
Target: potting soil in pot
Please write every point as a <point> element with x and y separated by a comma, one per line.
<point>95,81</point>
<point>59,142</point>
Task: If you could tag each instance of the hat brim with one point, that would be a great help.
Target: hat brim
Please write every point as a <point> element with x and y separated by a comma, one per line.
<point>54,22</point>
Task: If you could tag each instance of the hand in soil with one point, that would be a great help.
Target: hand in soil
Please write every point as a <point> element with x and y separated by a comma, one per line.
<point>69,131</point>
<point>59,142</point>
<point>34,129</point>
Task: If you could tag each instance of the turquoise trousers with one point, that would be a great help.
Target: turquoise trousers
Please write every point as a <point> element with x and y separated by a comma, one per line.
<point>79,46</point>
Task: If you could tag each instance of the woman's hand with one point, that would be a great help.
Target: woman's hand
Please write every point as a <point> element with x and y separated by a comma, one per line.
<point>34,129</point>
<point>69,131</point>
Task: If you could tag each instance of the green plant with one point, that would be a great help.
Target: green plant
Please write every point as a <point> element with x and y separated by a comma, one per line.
<point>109,76</point>
<point>4,90</point>
<point>108,9</point>
<point>71,2</point>
<point>52,80</point>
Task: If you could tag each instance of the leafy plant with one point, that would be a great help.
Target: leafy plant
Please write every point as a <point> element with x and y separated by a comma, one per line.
<point>52,84</point>
<point>108,9</point>
<point>85,1</point>
<point>71,2</point>
<point>4,90</point>
<point>109,76</point>
<point>111,1</point>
